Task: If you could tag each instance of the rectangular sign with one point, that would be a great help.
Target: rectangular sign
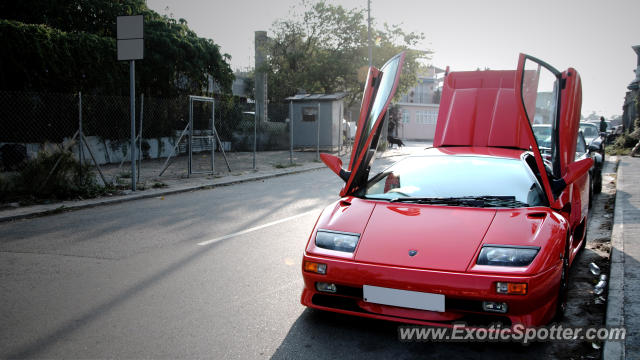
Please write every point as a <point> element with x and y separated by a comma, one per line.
<point>403,298</point>
<point>131,49</point>
<point>130,27</point>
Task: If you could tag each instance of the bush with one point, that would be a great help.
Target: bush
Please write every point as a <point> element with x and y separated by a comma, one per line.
<point>69,180</point>
<point>624,143</point>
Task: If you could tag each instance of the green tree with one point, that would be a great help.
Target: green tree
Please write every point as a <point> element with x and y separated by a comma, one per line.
<point>325,50</point>
<point>69,46</point>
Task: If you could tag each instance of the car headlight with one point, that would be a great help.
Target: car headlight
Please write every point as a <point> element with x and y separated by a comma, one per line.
<point>339,241</point>
<point>504,255</point>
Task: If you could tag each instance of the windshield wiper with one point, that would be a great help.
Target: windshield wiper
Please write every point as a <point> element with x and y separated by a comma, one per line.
<point>471,201</point>
<point>452,201</point>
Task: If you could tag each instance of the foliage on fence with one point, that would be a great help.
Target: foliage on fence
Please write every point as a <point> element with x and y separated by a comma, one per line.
<point>69,46</point>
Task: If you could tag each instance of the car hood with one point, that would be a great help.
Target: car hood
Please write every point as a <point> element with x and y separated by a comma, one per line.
<point>444,238</point>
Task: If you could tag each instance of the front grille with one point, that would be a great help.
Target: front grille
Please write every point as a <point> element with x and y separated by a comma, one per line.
<point>336,302</point>
<point>471,319</point>
<point>349,291</point>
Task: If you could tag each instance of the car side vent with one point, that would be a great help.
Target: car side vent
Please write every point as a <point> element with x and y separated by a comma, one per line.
<point>344,203</point>
<point>537,215</point>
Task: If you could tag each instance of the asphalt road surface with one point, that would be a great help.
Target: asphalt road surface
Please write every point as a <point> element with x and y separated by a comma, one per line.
<point>206,274</point>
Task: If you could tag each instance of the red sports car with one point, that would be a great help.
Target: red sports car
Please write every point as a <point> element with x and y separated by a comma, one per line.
<point>481,228</point>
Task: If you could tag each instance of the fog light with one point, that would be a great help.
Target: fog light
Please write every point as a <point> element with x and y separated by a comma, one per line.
<point>326,287</point>
<point>511,288</point>
<point>315,267</point>
<point>494,306</point>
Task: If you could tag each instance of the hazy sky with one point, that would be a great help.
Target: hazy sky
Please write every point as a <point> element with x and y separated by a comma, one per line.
<point>595,37</point>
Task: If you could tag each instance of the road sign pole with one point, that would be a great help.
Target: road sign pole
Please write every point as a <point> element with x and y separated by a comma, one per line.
<point>132,94</point>
<point>130,46</point>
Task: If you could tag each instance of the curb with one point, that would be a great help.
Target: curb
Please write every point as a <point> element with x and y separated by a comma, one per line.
<point>83,204</point>
<point>614,350</point>
<point>57,208</point>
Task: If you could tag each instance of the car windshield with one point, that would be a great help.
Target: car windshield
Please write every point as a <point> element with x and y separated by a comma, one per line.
<point>589,130</point>
<point>493,179</point>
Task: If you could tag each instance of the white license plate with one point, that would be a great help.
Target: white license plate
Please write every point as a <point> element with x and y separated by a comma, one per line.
<point>403,298</point>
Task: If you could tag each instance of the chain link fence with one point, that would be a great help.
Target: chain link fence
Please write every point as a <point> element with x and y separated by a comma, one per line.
<point>95,130</point>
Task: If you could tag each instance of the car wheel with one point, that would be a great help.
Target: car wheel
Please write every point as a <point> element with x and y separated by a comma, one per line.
<point>563,291</point>
<point>597,186</point>
<point>590,192</point>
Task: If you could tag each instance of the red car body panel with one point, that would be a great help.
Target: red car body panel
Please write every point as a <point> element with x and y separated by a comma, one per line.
<point>482,113</point>
<point>478,108</point>
<point>532,308</point>
<point>464,229</point>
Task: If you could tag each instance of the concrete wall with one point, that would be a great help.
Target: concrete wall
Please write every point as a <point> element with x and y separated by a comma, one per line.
<point>111,152</point>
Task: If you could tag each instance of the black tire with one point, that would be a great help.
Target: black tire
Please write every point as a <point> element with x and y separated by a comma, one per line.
<point>563,292</point>
<point>590,192</point>
<point>563,289</point>
<point>597,186</point>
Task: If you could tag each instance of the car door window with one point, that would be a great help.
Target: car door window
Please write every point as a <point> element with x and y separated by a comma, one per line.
<point>540,91</point>
<point>581,146</point>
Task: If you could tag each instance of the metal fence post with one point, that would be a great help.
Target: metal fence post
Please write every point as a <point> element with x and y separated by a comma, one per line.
<point>190,136</point>
<point>318,134</point>
<point>291,132</point>
<point>80,149</point>
<point>214,137</point>
<point>255,136</point>
<point>140,136</point>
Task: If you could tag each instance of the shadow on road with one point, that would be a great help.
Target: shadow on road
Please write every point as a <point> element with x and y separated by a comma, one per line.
<point>325,335</point>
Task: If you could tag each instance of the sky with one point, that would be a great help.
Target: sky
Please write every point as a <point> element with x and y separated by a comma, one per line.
<point>594,37</point>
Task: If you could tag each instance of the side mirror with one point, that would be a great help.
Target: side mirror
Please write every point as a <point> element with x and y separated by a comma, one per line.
<point>594,147</point>
<point>335,164</point>
<point>575,170</point>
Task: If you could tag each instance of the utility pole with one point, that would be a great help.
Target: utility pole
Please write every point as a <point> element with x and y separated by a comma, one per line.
<point>369,32</point>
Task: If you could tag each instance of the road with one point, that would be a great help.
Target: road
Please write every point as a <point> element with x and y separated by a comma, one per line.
<point>206,274</point>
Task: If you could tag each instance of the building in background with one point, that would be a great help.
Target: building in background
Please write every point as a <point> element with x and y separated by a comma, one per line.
<point>630,107</point>
<point>418,108</point>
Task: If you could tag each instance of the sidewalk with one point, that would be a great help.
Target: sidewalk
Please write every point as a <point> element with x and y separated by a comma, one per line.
<point>623,306</point>
<point>176,184</point>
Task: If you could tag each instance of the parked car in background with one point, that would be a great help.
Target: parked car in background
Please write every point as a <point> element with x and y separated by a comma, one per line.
<point>593,136</point>
<point>479,229</point>
<point>542,133</point>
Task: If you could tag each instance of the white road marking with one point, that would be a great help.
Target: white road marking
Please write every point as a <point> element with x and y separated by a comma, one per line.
<point>246,231</point>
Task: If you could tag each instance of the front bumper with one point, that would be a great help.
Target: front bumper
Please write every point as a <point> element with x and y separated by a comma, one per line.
<point>464,293</point>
